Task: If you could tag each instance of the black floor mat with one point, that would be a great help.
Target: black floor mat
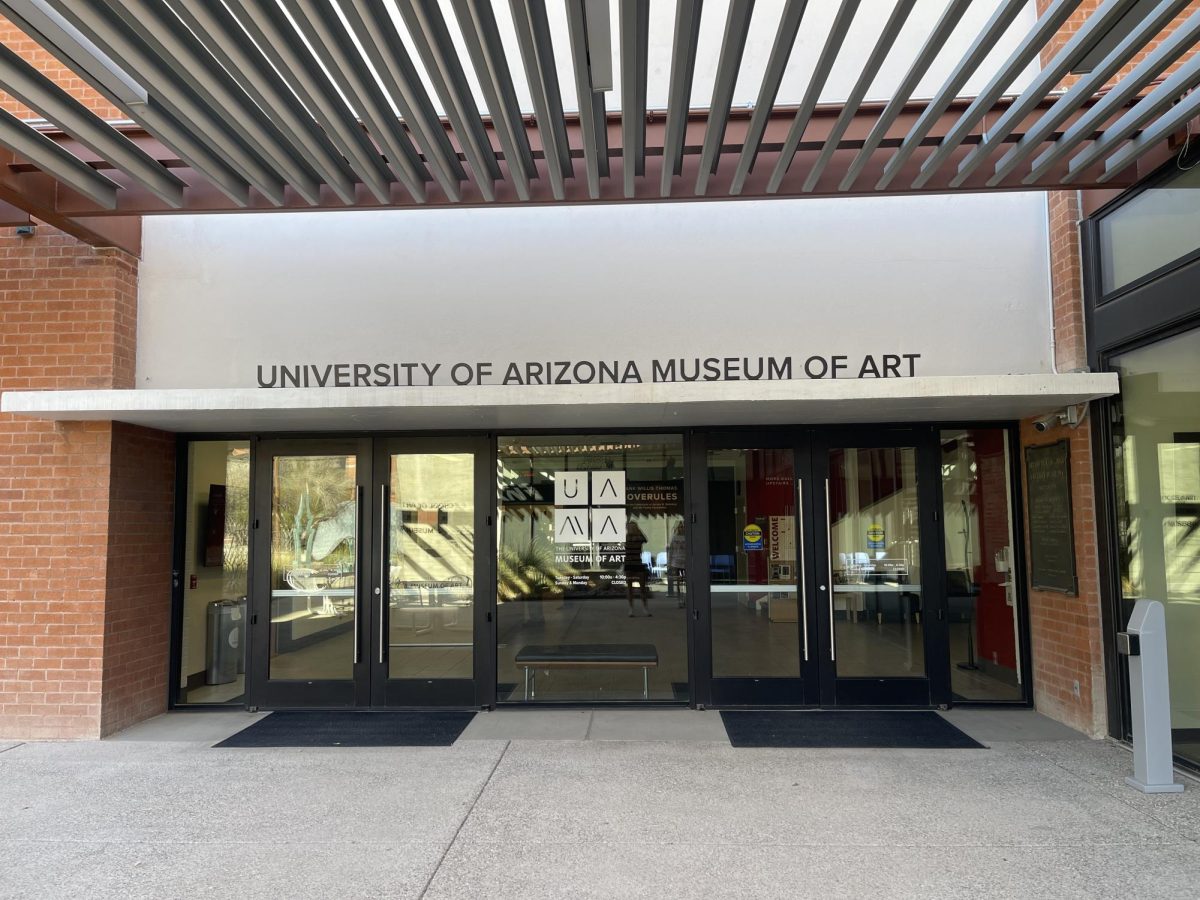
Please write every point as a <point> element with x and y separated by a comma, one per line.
<point>843,728</point>
<point>354,728</point>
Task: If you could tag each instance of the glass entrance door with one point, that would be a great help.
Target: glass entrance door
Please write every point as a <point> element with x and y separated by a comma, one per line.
<point>880,611</point>
<point>814,562</point>
<point>755,634</point>
<point>307,623</point>
<point>366,573</point>
<point>429,572</point>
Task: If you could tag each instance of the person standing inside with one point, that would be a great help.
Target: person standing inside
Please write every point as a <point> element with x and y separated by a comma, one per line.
<point>636,571</point>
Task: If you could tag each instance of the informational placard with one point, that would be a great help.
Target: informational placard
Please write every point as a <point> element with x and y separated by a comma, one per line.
<point>1051,534</point>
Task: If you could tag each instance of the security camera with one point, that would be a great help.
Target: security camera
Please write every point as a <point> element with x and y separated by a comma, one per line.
<point>1046,422</point>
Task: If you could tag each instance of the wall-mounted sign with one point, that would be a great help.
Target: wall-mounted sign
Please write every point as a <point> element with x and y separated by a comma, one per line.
<point>752,538</point>
<point>614,371</point>
<point>875,536</point>
<point>1051,533</point>
<point>782,539</point>
<point>589,507</point>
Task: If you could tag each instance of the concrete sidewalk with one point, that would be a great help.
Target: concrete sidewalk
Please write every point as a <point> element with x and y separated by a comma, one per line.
<point>545,810</point>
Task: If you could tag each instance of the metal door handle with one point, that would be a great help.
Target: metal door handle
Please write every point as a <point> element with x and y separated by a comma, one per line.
<point>800,557</point>
<point>385,503</point>
<point>829,562</point>
<point>358,497</point>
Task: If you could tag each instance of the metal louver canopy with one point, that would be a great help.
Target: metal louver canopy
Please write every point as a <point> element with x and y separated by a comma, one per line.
<point>302,104</point>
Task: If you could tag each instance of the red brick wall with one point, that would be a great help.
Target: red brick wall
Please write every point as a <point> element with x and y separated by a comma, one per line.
<point>85,508</point>
<point>138,612</point>
<point>1065,631</point>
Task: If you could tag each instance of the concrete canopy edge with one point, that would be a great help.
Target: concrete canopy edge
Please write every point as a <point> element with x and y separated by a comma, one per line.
<point>674,404</point>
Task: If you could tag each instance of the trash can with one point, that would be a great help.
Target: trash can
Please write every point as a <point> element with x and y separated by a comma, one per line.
<point>226,622</point>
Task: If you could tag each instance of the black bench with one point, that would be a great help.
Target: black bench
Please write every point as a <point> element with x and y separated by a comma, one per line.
<point>587,656</point>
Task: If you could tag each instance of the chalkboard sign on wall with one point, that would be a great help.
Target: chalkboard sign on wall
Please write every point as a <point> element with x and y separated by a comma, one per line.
<point>1051,535</point>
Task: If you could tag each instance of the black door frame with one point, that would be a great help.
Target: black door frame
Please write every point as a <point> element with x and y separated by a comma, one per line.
<point>934,688</point>
<point>480,689</point>
<point>262,691</point>
<point>369,685</point>
<point>817,683</point>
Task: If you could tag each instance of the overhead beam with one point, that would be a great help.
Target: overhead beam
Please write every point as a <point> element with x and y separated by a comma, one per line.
<point>635,35</point>
<point>477,22</point>
<point>333,46</point>
<point>1175,120</point>
<point>591,101</point>
<point>229,44</point>
<point>1166,95</point>
<point>933,45</point>
<point>427,29</point>
<point>136,104</point>
<point>983,44</point>
<point>1098,23</point>
<point>1182,39</point>
<point>1043,30</point>
<point>1086,87</point>
<point>42,95</point>
<point>781,51</point>
<point>537,55</point>
<point>812,94</point>
<point>108,31</point>
<point>874,62</point>
<point>729,64</point>
<point>679,92</point>
<point>271,32</point>
<point>52,159</point>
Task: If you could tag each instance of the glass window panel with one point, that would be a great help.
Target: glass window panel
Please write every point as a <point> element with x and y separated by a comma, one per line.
<point>216,543</point>
<point>314,532</point>
<point>876,560</point>
<point>431,566</point>
<point>1155,228</point>
<point>1156,448</point>
<point>985,661</point>
<point>752,561</point>
<point>591,580</point>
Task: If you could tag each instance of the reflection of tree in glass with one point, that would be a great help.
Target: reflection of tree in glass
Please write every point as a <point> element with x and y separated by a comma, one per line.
<point>526,573</point>
<point>237,522</point>
<point>309,491</point>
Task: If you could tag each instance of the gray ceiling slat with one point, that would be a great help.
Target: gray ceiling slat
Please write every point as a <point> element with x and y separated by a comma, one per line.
<point>103,28</point>
<point>270,30</point>
<point>591,104</point>
<point>983,44</point>
<point>1180,41</point>
<point>477,22</point>
<point>330,41</point>
<point>189,60</point>
<point>729,64</point>
<point>635,40</point>
<point>39,93</point>
<point>883,46</point>
<point>1171,121</point>
<point>428,31</point>
<point>52,159</point>
<point>829,54</point>
<point>1027,51</point>
<point>1182,80</point>
<point>381,42</point>
<point>781,51</point>
<point>232,47</point>
<point>1085,88</point>
<point>933,45</point>
<point>1100,21</point>
<point>679,92</point>
<point>538,60</point>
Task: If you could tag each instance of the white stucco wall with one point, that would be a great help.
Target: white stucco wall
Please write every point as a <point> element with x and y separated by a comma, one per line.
<point>961,280</point>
